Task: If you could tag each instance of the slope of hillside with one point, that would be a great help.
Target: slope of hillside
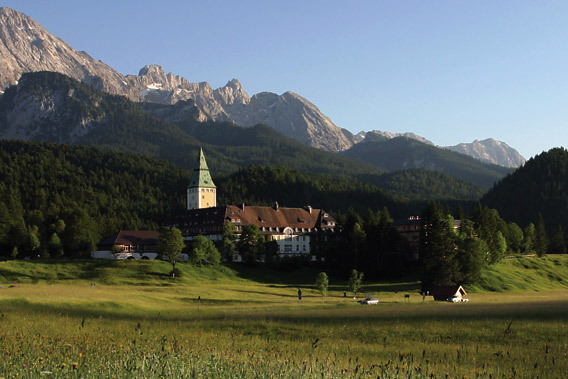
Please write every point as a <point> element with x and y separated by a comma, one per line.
<point>526,274</point>
<point>540,186</point>
<point>266,185</point>
<point>403,153</point>
<point>423,184</point>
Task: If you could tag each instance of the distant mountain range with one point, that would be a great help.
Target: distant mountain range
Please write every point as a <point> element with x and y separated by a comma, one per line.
<point>402,153</point>
<point>488,150</point>
<point>51,107</point>
<point>25,46</point>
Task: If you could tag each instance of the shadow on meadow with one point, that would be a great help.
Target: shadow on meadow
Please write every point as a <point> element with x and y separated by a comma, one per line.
<point>326,314</point>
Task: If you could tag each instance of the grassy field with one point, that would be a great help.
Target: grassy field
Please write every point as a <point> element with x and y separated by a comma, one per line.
<point>240,322</point>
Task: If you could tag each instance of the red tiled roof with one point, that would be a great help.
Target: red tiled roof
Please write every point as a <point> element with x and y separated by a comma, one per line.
<point>280,217</point>
<point>211,220</point>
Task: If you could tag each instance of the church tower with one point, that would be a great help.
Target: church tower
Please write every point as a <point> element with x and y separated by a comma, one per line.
<point>201,192</point>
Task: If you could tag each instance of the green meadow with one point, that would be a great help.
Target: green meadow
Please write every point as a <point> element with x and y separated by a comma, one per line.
<point>234,322</point>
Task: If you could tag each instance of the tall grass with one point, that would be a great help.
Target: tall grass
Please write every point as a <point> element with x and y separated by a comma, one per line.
<point>211,323</point>
<point>409,340</point>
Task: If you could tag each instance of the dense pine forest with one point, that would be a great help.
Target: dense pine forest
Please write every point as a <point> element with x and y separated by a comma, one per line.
<point>57,199</point>
<point>539,187</point>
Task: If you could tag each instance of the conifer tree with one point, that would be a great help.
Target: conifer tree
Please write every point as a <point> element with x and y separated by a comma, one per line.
<point>558,241</point>
<point>438,248</point>
<point>529,241</point>
<point>541,237</point>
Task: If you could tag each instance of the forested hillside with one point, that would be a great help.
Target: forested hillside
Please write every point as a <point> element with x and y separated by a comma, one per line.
<point>405,153</point>
<point>77,195</point>
<point>57,199</point>
<point>269,184</point>
<point>539,187</point>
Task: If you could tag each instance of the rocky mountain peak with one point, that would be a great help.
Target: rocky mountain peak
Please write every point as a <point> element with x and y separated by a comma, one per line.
<point>234,84</point>
<point>152,70</point>
<point>492,151</point>
<point>25,46</point>
<point>232,93</point>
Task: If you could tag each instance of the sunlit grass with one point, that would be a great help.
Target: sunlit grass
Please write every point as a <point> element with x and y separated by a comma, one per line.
<point>219,323</point>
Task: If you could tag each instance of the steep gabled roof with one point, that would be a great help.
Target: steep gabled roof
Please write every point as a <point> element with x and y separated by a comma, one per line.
<point>201,176</point>
<point>280,217</point>
<point>133,238</point>
<point>447,291</point>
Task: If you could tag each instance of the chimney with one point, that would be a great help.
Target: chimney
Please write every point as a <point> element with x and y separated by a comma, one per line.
<point>308,208</point>
<point>276,206</point>
<point>243,206</point>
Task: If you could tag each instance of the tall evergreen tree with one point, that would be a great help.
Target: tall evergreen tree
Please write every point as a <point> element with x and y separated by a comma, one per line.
<point>558,241</point>
<point>541,237</point>
<point>529,241</point>
<point>250,243</point>
<point>438,248</point>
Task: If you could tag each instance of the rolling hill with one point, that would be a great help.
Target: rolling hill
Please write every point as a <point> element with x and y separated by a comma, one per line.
<point>402,153</point>
<point>540,186</point>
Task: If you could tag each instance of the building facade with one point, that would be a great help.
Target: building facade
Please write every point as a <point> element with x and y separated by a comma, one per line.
<point>293,229</point>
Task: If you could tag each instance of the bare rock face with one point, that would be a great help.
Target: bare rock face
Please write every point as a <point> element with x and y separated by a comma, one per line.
<point>492,151</point>
<point>33,114</point>
<point>25,46</point>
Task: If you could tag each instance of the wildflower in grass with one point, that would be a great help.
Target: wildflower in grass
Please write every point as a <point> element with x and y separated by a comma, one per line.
<point>74,365</point>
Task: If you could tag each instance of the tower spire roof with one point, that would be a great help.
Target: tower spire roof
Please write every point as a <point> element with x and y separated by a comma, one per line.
<point>201,176</point>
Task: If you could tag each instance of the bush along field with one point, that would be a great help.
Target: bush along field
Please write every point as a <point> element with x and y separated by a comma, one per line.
<point>221,323</point>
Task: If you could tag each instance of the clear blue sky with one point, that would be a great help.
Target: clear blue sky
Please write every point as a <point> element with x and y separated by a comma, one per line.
<point>451,71</point>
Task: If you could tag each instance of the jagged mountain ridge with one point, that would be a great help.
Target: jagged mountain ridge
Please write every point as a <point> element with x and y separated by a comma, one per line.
<point>64,110</point>
<point>51,107</point>
<point>25,46</point>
